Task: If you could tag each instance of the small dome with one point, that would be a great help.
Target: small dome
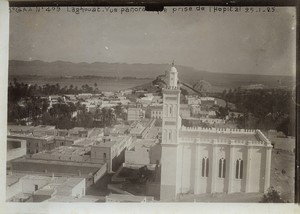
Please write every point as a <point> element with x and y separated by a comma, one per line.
<point>173,70</point>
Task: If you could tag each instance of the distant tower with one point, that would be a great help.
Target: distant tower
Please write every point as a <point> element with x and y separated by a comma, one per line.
<point>171,124</point>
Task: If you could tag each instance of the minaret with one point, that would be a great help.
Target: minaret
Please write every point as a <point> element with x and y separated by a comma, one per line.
<point>171,124</point>
<point>171,106</point>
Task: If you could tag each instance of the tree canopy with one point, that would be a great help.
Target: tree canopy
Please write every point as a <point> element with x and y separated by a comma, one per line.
<point>272,196</point>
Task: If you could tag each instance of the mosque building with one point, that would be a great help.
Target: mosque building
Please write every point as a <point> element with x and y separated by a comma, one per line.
<point>199,160</point>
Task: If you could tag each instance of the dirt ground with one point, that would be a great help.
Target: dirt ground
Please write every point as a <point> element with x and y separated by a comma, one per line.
<point>283,182</point>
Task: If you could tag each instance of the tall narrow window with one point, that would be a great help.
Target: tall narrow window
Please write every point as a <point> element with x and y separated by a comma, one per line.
<point>170,136</point>
<point>205,167</point>
<point>239,169</point>
<point>170,110</point>
<point>104,156</point>
<point>222,168</point>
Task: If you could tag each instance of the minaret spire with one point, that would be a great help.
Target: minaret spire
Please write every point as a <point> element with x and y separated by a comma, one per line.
<point>173,63</point>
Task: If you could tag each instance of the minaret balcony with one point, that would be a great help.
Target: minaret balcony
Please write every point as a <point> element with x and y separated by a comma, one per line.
<point>169,87</point>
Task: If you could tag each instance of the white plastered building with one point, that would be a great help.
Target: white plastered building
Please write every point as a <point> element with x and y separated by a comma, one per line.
<point>199,160</point>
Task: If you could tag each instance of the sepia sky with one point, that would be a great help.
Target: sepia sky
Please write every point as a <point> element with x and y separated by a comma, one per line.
<point>257,43</point>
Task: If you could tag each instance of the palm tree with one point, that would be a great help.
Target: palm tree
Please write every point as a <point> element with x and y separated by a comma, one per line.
<point>71,89</point>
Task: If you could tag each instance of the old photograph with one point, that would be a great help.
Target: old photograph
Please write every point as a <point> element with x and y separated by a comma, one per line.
<point>120,104</point>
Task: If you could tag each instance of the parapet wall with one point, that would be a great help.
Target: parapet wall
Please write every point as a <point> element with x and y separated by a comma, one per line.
<point>262,140</point>
<point>262,137</point>
<point>61,157</point>
<point>219,130</point>
<point>222,141</point>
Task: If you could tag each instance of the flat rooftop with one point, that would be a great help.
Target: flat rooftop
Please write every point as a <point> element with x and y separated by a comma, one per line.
<point>70,138</point>
<point>96,132</point>
<point>43,191</point>
<point>128,198</point>
<point>40,128</point>
<point>43,128</point>
<point>67,199</point>
<point>12,179</point>
<point>18,128</point>
<point>48,174</point>
<point>107,143</point>
<point>58,185</point>
<point>11,139</point>
<point>111,140</point>
<point>31,136</point>
<point>63,152</point>
<point>84,142</point>
<point>146,142</point>
<point>120,128</point>
<point>79,129</point>
<point>63,186</point>
<point>59,162</point>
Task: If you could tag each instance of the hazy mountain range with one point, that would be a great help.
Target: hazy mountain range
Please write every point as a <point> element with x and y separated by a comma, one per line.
<point>188,74</point>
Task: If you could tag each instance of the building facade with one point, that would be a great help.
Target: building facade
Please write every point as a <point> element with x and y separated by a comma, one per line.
<point>207,160</point>
<point>111,151</point>
<point>37,188</point>
<point>15,148</point>
<point>143,152</point>
<point>134,114</point>
<point>156,112</point>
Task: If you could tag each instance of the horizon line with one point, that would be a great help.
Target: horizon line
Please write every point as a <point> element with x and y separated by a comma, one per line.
<point>286,75</point>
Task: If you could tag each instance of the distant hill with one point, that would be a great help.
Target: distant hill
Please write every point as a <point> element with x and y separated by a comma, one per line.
<point>61,68</point>
<point>188,74</point>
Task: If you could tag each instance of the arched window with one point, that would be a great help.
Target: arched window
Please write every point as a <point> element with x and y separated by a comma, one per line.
<point>222,168</point>
<point>205,167</point>
<point>239,169</point>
